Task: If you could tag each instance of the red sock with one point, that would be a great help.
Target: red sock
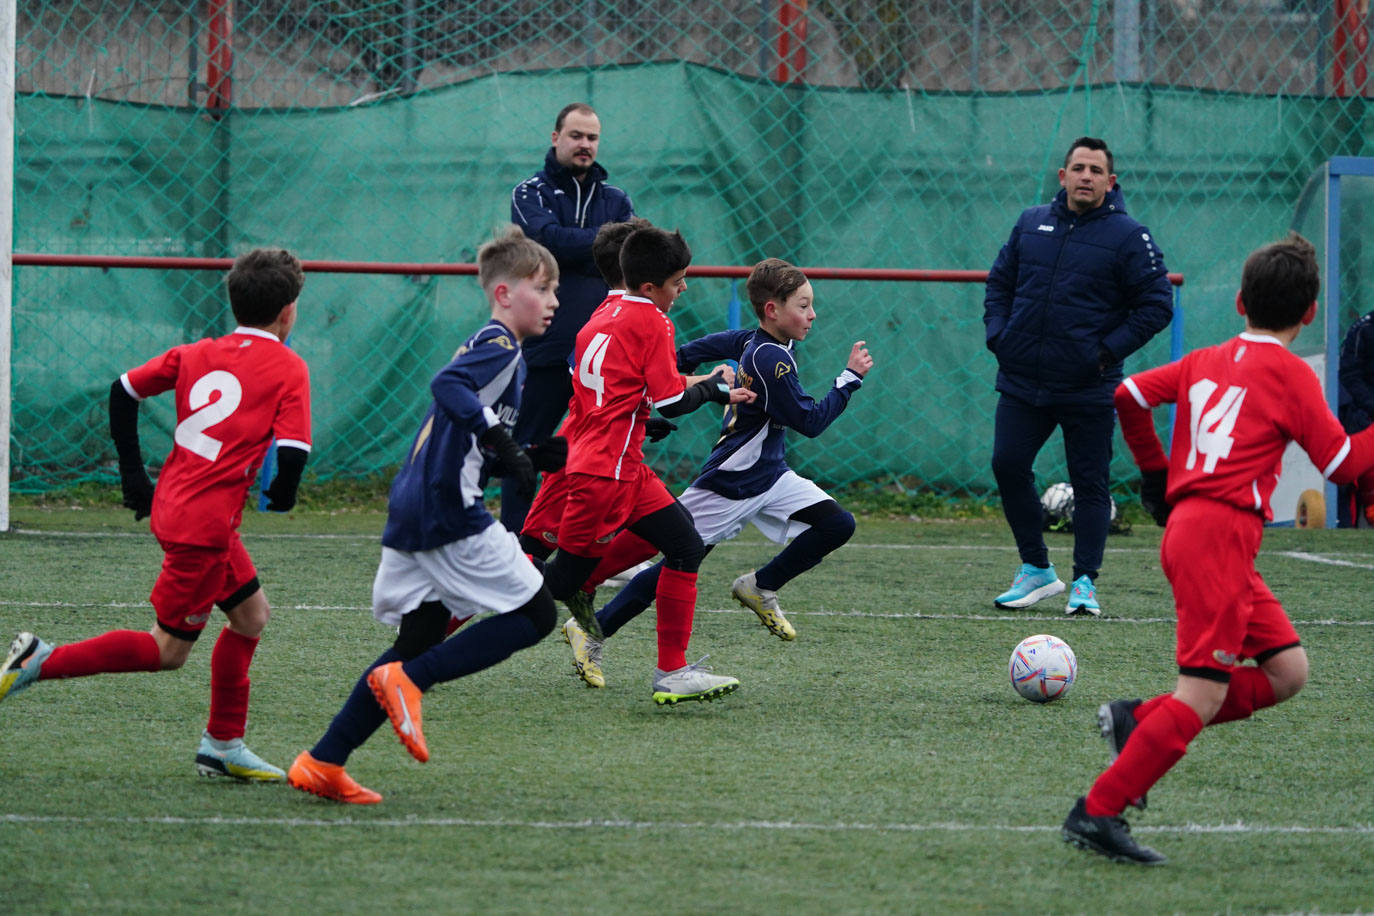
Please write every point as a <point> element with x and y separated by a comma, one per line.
<point>1149,706</point>
<point>113,652</point>
<point>229,662</point>
<point>676,598</point>
<point>1250,690</point>
<point>1153,748</point>
<point>454,623</point>
<point>626,551</point>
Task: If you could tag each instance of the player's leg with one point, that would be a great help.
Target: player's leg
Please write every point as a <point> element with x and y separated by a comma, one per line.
<point>1088,452</point>
<point>539,533</point>
<point>543,402</point>
<point>595,508</point>
<point>484,570</point>
<point>1020,430</point>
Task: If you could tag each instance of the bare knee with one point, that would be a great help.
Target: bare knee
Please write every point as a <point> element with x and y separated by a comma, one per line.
<point>249,617</point>
<point>1287,672</point>
<point>172,650</point>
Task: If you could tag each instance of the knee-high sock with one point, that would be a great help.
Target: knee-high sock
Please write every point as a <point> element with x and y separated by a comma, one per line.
<point>477,646</point>
<point>631,601</point>
<point>806,550</point>
<point>1249,690</point>
<point>1153,748</point>
<point>355,721</point>
<point>114,652</point>
<point>229,662</point>
<point>677,602</point>
<point>626,551</point>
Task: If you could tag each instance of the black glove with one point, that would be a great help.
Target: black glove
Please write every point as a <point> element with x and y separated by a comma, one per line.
<point>658,428</point>
<point>549,455</point>
<point>1152,487</point>
<point>511,460</point>
<point>281,495</point>
<point>138,489</point>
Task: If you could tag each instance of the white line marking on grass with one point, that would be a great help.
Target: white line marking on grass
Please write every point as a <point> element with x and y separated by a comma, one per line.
<point>1237,827</point>
<point>866,615</point>
<point>1322,558</point>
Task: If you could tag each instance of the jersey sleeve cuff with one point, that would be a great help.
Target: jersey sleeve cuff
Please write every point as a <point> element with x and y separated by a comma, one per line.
<point>293,443</point>
<point>128,387</point>
<point>848,377</point>
<point>490,416</point>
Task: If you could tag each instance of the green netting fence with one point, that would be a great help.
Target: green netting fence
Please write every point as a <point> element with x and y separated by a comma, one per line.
<point>882,134</point>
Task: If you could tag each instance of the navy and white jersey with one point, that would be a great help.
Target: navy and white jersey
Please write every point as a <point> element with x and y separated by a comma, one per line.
<point>436,497</point>
<point>751,453</point>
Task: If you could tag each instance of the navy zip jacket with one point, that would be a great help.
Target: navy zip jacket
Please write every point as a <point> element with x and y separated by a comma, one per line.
<point>1069,297</point>
<point>1357,375</point>
<point>563,215</point>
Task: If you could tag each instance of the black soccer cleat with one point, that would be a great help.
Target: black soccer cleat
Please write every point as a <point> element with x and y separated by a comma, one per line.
<point>1108,836</point>
<point>1116,721</point>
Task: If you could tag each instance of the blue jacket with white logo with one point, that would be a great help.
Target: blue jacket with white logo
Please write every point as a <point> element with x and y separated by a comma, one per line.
<point>436,497</point>
<point>1069,297</point>
<point>563,215</point>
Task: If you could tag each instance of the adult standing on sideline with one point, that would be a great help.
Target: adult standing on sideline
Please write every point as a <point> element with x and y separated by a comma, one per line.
<point>561,206</point>
<point>1077,288</point>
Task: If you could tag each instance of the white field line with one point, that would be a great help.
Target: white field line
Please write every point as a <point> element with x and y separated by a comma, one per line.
<point>1237,827</point>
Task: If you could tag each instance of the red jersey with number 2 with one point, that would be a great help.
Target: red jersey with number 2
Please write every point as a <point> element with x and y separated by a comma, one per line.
<point>1239,405</point>
<point>624,362</point>
<point>233,395</point>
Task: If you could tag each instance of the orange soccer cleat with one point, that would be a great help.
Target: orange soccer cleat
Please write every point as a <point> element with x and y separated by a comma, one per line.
<point>328,780</point>
<point>399,696</point>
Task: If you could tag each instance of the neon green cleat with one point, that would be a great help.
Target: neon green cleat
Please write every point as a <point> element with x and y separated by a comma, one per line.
<point>233,758</point>
<point>21,667</point>
<point>586,654</point>
<point>765,604</point>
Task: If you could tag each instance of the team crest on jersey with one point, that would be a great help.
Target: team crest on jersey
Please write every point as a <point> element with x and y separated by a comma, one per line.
<point>1225,658</point>
<point>503,342</point>
<point>782,369</point>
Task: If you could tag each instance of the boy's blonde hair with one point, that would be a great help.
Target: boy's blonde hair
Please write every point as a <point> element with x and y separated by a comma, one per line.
<point>772,279</point>
<point>513,256</point>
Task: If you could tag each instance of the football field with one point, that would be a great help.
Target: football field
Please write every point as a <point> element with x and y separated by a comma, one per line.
<point>881,763</point>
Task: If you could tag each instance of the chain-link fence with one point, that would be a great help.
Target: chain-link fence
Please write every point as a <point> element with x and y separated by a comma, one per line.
<point>882,133</point>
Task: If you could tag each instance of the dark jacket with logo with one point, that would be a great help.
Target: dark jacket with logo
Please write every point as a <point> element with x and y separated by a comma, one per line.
<point>1069,297</point>
<point>563,215</point>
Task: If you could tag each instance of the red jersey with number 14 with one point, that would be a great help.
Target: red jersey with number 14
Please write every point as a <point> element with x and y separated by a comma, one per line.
<point>625,361</point>
<point>233,395</point>
<point>1239,405</point>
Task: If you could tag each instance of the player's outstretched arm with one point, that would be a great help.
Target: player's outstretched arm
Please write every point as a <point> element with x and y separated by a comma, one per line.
<point>713,388</point>
<point>137,487</point>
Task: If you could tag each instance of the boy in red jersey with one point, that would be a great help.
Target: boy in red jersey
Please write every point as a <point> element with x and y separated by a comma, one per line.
<point>624,364</point>
<point>1239,405</point>
<point>234,394</point>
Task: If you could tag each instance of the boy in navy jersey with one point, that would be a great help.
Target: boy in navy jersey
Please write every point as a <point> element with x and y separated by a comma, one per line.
<point>233,395</point>
<point>443,555</point>
<point>1239,405</point>
<point>746,477</point>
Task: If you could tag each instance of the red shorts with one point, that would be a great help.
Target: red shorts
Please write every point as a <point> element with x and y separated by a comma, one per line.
<point>1226,612</point>
<point>546,512</point>
<point>597,507</point>
<point>194,579</point>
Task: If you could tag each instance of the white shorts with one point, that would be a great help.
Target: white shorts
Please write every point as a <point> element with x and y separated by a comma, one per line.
<point>719,519</point>
<point>484,572</point>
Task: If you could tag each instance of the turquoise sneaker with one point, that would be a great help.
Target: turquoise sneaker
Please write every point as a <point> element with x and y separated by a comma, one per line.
<point>27,654</point>
<point>1083,598</point>
<point>233,758</point>
<point>1031,584</point>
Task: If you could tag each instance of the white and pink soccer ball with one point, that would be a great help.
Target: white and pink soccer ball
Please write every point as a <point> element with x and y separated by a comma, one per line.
<point>1042,668</point>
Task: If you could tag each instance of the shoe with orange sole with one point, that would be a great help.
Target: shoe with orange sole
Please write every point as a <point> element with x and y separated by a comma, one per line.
<point>328,780</point>
<point>398,695</point>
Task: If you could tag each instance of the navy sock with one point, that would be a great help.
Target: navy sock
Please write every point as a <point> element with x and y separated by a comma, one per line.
<point>355,722</point>
<point>473,648</point>
<point>632,600</point>
<point>806,550</point>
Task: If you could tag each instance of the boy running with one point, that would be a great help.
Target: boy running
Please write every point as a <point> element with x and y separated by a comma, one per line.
<point>1239,405</point>
<point>234,394</point>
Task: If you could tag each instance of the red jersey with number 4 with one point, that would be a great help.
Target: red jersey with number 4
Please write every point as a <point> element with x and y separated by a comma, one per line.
<point>233,395</point>
<point>624,362</point>
<point>1239,405</point>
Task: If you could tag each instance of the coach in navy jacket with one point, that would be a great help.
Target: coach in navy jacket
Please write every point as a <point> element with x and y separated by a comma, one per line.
<point>1078,287</point>
<point>561,206</point>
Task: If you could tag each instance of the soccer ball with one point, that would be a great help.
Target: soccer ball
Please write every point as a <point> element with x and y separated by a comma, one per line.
<point>1057,503</point>
<point>1042,668</point>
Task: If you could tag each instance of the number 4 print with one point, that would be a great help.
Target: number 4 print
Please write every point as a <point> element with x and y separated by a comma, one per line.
<point>1211,427</point>
<point>589,369</point>
<point>190,432</point>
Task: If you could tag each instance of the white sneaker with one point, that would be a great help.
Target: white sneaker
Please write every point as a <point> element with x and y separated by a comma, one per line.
<point>691,682</point>
<point>586,654</point>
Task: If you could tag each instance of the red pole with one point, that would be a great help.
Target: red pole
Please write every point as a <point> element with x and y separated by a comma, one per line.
<point>791,27</point>
<point>219,60</point>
